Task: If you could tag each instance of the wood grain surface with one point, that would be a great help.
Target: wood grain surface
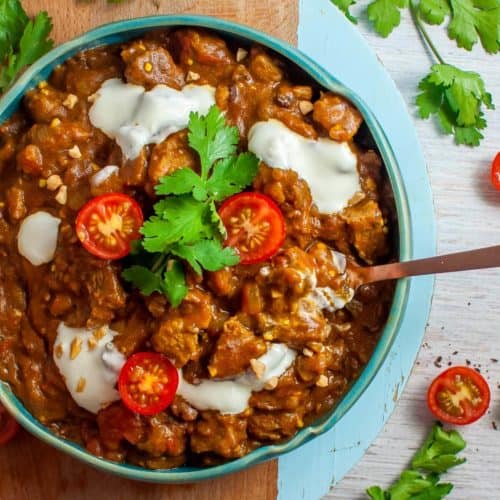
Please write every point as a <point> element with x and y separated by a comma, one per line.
<point>31,470</point>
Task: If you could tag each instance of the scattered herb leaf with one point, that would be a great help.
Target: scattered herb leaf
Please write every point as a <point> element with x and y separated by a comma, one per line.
<point>344,6</point>
<point>456,97</point>
<point>185,223</point>
<point>421,481</point>
<point>385,15</point>
<point>22,41</point>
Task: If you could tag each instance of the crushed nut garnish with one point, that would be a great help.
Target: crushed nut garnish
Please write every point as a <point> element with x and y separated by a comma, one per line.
<point>258,367</point>
<point>268,336</point>
<point>305,107</point>
<point>92,98</point>
<point>190,62</point>
<point>75,152</point>
<point>58,350</point>
<point>276,294</point>
<point>70,101</point>
<point>54,182</point>
<point>148,67</point>
<point>80,387</point>
<point>42,84</point>
<point>44,91</point>
<point>192,76</point>
<point>212,371</point>
<point>95,167</point>
<point>75,348</point>
<point>91,343</point>
<point>271,383</point>
<point>316,346</point>
<point>241,54</point>
<point>55,122</point>
<point>307,352</point>
<point>322,381</point>
<point>100,333</point>
<point>42,183</point>
<point>62,195</point>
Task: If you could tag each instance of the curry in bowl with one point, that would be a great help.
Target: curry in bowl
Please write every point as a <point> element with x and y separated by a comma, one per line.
<point>177,214</point>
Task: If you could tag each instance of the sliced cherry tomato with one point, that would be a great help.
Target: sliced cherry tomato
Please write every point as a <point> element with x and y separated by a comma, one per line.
<point>255,226</point>
<point>107,224</point>
<point>459,395</point>
<point>148,382</point>
<point>8,426</point>
<point>495,172</point>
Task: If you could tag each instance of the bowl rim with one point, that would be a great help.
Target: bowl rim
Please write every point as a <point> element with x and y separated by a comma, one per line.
<point>121,31</point>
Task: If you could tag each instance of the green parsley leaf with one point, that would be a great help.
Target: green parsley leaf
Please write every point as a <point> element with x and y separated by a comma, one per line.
<point>211,138</point>
<point>434,11</point>
<point>385,15</point>
<point>421,481</point>
<point>475,18</point>
<point>182,181</point>
<point>13,20</point>
<point>438,453</point>
<point>34,43</point>
<point>206,254</point>
<point>178,219</point>
<point>456,97</point>
<point>174,282</point>
<point>232,175</point>
<point>376,493</point>
<point>344,6</point>
<point>145,280</point>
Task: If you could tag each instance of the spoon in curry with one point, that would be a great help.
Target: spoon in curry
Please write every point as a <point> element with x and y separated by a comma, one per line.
<point>480,258</point>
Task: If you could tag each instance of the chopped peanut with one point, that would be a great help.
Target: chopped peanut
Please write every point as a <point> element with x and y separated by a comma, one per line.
<point>241,54</point>
<point>70,101</point>
<point>62,195</point>
<point>54,182</point>
<point>258,367</point>
<point>75,152</point>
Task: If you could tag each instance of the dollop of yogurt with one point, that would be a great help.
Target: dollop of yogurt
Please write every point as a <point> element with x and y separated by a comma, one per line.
<point>329,167</point>
<point>89,364</point>
<point>135,117</point>
<point>37,237</point>
<point>232,396</point>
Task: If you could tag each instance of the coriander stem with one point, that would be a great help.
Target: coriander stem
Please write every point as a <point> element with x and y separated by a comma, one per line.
<point>423,32</point>
<point>159,263</point>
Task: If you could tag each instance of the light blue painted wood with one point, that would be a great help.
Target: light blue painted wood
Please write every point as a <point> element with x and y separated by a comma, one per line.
<point>326,36</point>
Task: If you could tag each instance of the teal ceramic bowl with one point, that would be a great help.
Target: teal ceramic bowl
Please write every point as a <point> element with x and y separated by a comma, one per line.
<point>125,30</point>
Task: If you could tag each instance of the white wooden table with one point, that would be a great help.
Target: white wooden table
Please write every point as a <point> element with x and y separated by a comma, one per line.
<point>465,315</point>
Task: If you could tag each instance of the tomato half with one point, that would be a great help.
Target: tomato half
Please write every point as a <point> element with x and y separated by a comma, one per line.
<point>495,172</point>
<point>459,395</point>
<point>148,382</point>
<point>107,224</point>
<point>255,226</point>
<point>8,426</point>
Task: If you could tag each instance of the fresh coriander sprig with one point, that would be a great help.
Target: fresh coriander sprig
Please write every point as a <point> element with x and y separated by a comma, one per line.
<point>185,224</point>
<point>456,97</point>
<point>436,456</point>
<point>22,41</point>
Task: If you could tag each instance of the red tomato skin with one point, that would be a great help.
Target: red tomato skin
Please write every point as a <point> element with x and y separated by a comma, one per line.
<point>495,172</point>
<point>279,228</point>
<point>9,429</point>
<point>165,399</point>
<point>444,378</point>
<point>85,212</point>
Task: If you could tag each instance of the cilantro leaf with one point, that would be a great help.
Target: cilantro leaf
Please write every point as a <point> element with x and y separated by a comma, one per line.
<point>344,6</point>
<point>178,219</point>
<point>385,15</point>
<point>13,20</point>
<point>232,175</point>
<point>438,453</point>
<point>174,282</point>
<point>211,138</point>
<point>376,493</point>
<point>421,481</point>
<point>206,254</point>
<point>145,280</point>
<point>434,11</point>
<point>456,97</point>
<point>475,18</point>
<point>34,43</point>
<point>182,181</point>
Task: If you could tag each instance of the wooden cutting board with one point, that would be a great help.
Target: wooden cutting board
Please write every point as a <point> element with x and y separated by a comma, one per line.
<point>31,470</point>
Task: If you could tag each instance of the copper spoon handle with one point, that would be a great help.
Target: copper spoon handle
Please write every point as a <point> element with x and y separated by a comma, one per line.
<point>481,258</point>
